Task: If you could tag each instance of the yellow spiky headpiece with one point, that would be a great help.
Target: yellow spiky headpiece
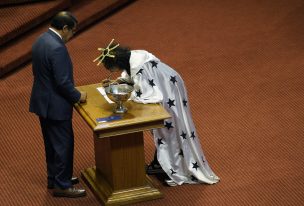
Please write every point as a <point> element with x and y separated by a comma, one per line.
<point>105,53</point>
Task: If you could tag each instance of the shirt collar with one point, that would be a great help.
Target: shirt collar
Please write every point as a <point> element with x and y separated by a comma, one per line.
<point>53,30</point>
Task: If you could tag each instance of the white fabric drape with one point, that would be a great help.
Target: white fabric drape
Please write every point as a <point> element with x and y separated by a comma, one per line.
<point>178,148</point>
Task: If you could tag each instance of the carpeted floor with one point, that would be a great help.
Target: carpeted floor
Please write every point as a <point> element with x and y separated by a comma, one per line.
<point>242,62</point>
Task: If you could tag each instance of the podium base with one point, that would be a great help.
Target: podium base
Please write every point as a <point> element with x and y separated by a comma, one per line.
<point>107,196</point>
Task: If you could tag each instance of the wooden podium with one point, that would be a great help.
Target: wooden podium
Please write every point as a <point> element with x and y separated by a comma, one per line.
<point>119,176</point>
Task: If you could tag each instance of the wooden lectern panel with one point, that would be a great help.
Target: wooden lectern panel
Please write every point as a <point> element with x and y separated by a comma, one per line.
<point>119,175</point>
<point>121,160</point>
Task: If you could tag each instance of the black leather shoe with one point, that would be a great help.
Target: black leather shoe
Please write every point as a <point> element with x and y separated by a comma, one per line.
<point>153,169</point>
<point>74,181</point>
<point>69,192</point>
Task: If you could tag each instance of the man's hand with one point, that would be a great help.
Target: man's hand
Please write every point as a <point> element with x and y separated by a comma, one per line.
<point>107,82</point>
<point>83,97</point>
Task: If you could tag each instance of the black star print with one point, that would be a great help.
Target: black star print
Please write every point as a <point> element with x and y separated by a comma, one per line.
<point>195,166</point>
<point>154,64</point>
<point>168,125</point>
<point>185,103</point>
<point>140,71</point>
<point>151,82</point>
<point>192,135</point>
<point>159,141</point>
<point>172,172</point>
<point>138,93</point>
<point>184,135</point>
<point>172,79</point>
<point>194,178</point>
<point>181,152</point>
<point>171,102</point>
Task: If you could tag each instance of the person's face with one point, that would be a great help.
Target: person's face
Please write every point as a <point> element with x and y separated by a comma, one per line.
<point>67,33</point>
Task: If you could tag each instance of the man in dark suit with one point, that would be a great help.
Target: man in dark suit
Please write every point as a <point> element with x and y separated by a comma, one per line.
<point>52,99</point>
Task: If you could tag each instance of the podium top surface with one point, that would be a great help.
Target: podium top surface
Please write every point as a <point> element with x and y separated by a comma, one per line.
<point>139,117</point>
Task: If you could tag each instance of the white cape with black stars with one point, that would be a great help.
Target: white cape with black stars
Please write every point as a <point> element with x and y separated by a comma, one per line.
<point>178,147</point>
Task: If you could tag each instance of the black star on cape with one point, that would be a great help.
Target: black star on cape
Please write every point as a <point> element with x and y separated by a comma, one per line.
<point>195,166</point>
<point>171,102</point>
<point>140,71</point>
<point>192,135</point>
<point>151,82</point>
<point>184,135</point>
<point>181,153</point>
<point>173,79</point>
<point>154,64</point>
<point>168,125</point>
<point>172,172</point>
<point>138,93</point>
<point>159,141</point>
<point>185,103</point>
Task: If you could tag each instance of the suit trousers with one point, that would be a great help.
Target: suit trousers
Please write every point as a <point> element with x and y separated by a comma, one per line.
<point>59,148</point>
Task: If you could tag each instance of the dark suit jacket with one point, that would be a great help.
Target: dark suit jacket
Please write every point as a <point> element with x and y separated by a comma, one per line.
<point>53,92</point>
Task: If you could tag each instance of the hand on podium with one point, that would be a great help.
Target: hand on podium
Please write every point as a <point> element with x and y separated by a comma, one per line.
<point>83,97</point>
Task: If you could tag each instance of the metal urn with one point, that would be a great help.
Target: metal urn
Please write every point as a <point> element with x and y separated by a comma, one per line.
<point>119,93</point>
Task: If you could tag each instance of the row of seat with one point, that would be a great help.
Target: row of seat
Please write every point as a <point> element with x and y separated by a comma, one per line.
<point>22,21</point>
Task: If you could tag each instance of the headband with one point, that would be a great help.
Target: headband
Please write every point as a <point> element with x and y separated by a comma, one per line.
<point>106,53</point>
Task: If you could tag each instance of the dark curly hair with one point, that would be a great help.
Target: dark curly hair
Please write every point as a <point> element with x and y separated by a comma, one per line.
<point>121,59</point>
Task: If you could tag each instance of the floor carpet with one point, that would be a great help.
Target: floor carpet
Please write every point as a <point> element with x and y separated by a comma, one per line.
<point>242,62</point>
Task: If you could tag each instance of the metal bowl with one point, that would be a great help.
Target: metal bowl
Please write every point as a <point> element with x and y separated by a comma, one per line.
<point>119,93</point>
